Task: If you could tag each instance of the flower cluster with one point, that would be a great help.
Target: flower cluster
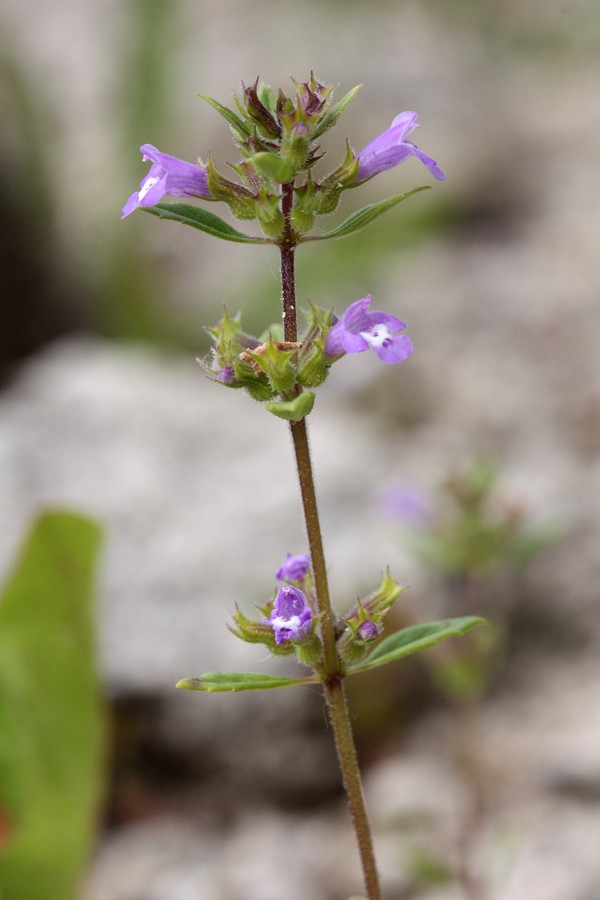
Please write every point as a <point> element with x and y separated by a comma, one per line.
<point>288,622</point>
<point>269,369</point>
<point>276,137</point>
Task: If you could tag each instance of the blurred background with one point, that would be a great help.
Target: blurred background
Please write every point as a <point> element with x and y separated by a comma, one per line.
<point>473,469</point>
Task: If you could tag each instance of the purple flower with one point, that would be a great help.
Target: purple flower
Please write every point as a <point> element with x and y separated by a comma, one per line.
<point>408,503</point>
<point>368,630</point>
<point>294,568</point>
<point>167,175</point>
<point>226,375</point>
<point>391,148</point>
<point>291,618</point>
<point>361,328</point>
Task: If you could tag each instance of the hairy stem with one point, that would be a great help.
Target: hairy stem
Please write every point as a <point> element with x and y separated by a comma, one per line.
<point>333,682</point>
<point>346,751</point>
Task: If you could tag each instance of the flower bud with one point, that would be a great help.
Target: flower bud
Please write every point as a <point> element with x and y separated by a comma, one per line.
<point>364,624</point>
<point>294,568</point>
<point>368,630</point>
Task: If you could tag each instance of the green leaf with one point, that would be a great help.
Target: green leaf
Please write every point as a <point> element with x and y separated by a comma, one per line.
<point>335,112</point>
<point>363,217</point>
<point>234,120</point>
<point>293,410</point>
<point>202,220</point>
<point>238,681</point>
<point>415,638</point>
<point>273,166</point>
<point>52,723</point>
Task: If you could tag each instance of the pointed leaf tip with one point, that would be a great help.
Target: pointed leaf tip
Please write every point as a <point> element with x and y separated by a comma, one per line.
<point>234,120</point>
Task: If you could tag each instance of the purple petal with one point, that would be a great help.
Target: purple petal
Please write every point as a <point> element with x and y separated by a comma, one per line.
<point>294,568</point>
<point>353,343</point>
<point>368,630</point>
<point>184,179</point>
<point>226,375</point>
<point>167,175</point>
<point>405,123</point>
<point>376,317</point>
<point>356,317</point>
<point>333,342</point>
<point>131,204</point>
<point>391,147</point>
<point>395,350</point>
<point>361,327</point>
<point>429,162</point>
<point>291,618</point>
<point>290,601</point>
<point>409,503</point>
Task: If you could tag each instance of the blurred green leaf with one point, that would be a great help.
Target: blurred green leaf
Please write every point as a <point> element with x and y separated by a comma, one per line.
<point>51,717</point>
<point>202,220</point>
<point>364,216</point>
<point>238,681</point>
<point>429,870</point>
<point>415,638</point>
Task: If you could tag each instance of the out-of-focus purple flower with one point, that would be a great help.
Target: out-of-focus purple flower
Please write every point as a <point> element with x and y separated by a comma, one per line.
<point>368,630</point>
<point>294,568</point>
<point>226,375</point>
<point>391,147</point>
<point>167,175</point>
<point>291,618</point>
<point>361,328</point>
<point>409,503</point>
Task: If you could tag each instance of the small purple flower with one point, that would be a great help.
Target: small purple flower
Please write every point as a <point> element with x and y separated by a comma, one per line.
<point>409,503</point>
<point>391,147</point>
<point>291,618</point>
<point>368,630</point>
<point>226,375</point>
<point>361,328</point>
<point>167,175</point>
<point>294,568</point>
